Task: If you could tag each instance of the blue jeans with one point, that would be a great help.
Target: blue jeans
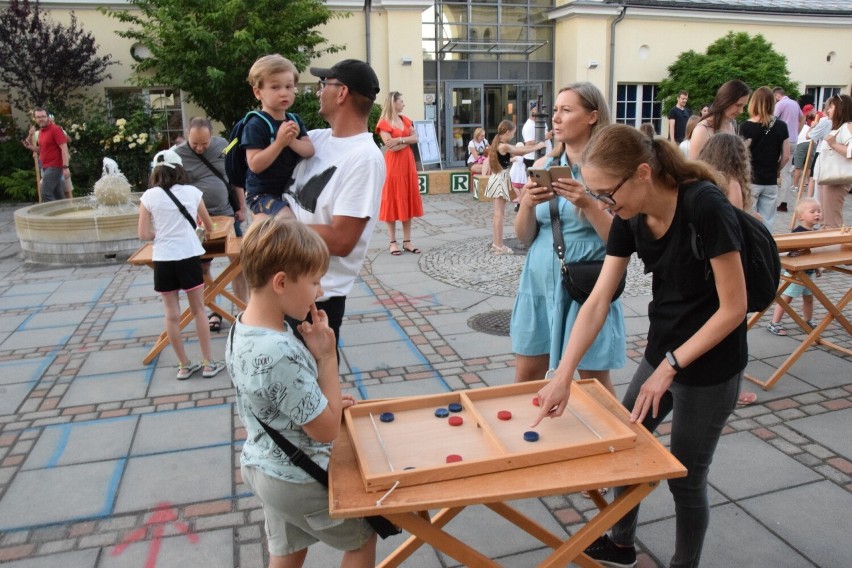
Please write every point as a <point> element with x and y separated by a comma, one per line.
<point>764,202</point>
<point>699,415</point>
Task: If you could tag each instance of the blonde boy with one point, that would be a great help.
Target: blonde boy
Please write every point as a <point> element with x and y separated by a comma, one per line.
<point>272,159</point>
<point>294,388</point>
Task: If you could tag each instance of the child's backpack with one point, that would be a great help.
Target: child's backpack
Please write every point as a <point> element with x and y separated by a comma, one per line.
<point>761,262</point>
<point>236,165</point>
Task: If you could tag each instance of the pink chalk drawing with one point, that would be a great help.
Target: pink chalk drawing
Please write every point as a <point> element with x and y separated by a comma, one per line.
<point>164,514</point>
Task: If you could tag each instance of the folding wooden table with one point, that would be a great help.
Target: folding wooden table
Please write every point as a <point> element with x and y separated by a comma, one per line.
<point>222,242</point>
<point>639,468</point>
<point>835,258</point>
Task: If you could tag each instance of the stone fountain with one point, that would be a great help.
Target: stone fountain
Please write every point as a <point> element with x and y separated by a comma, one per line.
<point>96,229</point>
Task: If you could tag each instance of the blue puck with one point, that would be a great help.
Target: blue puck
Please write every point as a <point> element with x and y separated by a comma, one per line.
<point>455,407</point>
<point>386,417</point>
<point>442,412</point>
<point>531,436</point>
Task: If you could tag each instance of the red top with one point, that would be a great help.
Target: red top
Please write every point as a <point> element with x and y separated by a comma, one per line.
<point>49,139</point>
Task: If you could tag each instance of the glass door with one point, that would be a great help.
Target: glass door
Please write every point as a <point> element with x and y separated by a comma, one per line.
<point>463,115</point>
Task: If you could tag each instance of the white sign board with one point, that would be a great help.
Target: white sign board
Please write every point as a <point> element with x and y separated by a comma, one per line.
<point>427,142</point>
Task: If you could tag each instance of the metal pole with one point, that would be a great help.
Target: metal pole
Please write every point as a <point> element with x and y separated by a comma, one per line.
<point>540,123</point>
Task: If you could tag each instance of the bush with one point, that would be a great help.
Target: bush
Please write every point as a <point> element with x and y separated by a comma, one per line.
<point>17,168</point>
<point>19,185</point>
<point>125,130</point>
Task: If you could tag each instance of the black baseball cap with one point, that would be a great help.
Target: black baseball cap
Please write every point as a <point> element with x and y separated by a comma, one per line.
<point>355,74</point>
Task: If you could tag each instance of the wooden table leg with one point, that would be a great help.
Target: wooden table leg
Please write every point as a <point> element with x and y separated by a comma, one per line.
<point>412,543</point>
<point>432,534</point>
<point>572,549</point>
<point>834,314</point>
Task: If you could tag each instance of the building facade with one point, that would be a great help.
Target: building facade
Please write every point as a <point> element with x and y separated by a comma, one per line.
<point>464,64</point>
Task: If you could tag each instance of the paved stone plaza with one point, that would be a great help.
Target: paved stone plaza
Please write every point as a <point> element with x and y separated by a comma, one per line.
<point>106,462</point>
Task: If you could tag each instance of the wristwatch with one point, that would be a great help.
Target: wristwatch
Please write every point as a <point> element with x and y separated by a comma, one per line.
<point>673,362</point>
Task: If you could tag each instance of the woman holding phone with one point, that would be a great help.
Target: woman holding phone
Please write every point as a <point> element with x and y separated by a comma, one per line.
<point>544,314</point>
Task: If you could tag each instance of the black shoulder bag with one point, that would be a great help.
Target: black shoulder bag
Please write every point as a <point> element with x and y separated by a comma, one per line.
<point>383,527</point>
<point>578,278</point>
<point>233,199</point>
<point>199,231</point>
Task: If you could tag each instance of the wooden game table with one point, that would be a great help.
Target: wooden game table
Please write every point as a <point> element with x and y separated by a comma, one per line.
<point>835,258</point>
<point>639,468</point>
<point>221,243</point>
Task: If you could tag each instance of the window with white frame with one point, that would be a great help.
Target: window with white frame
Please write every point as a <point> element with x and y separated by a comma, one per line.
<point>161,100</point>
<point>637,103</point>
<point>822,94</point>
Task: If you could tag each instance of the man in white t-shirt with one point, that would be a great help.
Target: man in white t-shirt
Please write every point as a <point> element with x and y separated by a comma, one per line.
<point>337,191</point>
<point>528,134</point>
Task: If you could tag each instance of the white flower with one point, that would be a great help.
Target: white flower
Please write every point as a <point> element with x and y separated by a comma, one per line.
<point>116,138</point>
<point>132,145</point>
<point>120,122</point>
<point>135,136</point>
<point>129,139</point>
<point>143,137</point>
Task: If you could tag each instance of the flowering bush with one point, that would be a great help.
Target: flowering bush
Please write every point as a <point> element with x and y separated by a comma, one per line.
<point>130,138</point>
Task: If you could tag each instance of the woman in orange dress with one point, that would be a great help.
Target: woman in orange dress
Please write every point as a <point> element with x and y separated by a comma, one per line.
<point>401,193</point>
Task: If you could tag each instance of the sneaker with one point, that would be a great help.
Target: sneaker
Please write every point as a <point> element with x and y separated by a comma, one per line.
<point>212,368</point>
<point>186,371</point>
<point>782,207</point>
<point>776,329</point>
<point>608,554</point>
<point>811,324</point>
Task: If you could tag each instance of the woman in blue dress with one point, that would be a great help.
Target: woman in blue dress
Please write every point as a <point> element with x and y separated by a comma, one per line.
<point>544,314</point>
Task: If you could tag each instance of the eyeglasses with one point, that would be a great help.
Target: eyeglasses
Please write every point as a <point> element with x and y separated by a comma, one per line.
<point>606,197</point>
<point>323,83</point>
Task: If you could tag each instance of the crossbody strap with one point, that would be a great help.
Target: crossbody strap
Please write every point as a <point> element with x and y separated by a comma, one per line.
<point>180,207</point>
<point>213,169</point>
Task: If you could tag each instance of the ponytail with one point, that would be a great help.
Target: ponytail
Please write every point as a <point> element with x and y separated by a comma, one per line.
<point>619,149</point>
<point>493,161</point>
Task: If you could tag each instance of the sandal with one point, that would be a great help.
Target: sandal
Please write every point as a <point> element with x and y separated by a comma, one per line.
<point>747,398</point>
<point>602,491</point>
<point>394,249</point>
<point>501,250</point>
<point>413,250</point>
<point>186,371</point>
<point>776,329</point>
<point>212,368</point>
<point>215,322</point>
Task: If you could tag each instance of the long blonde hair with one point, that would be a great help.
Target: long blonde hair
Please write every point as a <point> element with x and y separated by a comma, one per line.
<point>762,106</point>
<point>388,109</point>
<point>618,150</point>
<point>504,127</point>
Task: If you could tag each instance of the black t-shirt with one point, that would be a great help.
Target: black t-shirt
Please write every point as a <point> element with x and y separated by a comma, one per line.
<point>683,298</point>
<point>505,160</point>
<point>274,179</point>
<point>681,117</point>
<point>765,149</point>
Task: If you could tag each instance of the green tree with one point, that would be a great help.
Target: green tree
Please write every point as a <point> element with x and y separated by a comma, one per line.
<point>750,59</point>
<point>44,61</point>
<point>206,47</point>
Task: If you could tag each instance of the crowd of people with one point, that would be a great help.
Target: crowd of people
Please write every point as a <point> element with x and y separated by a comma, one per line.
<point>611,191</point>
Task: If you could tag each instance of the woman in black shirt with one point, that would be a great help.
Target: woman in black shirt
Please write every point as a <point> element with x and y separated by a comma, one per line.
<point>696,350</point>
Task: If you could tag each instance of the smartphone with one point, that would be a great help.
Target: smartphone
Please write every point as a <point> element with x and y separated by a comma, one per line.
<point>541,177</point>
<point>560,172</point>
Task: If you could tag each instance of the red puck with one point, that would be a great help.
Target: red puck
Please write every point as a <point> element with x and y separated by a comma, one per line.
<point>535,401</point>
<point>455,420</point>
<point>453,458</point>
<point>504,415</point>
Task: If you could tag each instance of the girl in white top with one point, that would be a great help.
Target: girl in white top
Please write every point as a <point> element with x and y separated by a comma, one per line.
<point>477,150</point>
<point>177,255</point>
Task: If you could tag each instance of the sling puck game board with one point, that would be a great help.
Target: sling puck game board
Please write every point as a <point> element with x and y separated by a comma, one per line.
<point>416,440</point>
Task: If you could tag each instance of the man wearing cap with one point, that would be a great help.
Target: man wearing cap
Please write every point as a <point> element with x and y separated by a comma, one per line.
<point>337,191</point>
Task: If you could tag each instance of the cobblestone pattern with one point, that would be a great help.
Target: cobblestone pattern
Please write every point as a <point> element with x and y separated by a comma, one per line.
<point>20,431</point>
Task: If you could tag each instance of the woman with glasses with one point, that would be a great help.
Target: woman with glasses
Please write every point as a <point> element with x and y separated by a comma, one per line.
<point>696,351</point>
<point>544,314</point>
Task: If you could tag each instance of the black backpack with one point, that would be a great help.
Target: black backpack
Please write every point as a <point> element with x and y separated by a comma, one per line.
<point>236,165</point>
<point>761,262</point>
